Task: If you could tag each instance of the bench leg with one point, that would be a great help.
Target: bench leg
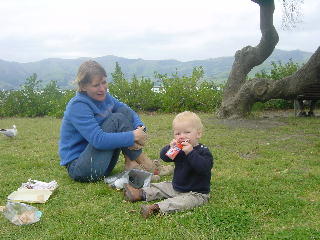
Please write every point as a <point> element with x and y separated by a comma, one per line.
<point>312,107</point>
<point>295,106</point>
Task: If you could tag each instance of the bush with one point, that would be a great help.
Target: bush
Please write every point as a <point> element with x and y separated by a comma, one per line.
<point>34,101</point>
<point>176,94</point>
<point>25,102</point>
<point>141,95</point>
<point>188,93</point>
<point>138,94</point>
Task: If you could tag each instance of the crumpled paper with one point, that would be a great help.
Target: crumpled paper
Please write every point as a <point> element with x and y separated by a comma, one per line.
<point>35,184</point>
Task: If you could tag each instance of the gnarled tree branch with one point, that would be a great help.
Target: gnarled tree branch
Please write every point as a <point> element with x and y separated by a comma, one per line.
<point>287,88</point>
<point>246,59</point>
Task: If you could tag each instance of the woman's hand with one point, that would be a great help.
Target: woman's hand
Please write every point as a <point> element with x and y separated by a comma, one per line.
<point>140,136</point>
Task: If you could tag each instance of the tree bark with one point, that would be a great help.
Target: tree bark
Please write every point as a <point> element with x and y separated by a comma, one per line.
<point>235,104</point>
<point>262,90</point>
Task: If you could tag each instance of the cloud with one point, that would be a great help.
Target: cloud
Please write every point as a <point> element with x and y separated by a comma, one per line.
<point>184,30</point>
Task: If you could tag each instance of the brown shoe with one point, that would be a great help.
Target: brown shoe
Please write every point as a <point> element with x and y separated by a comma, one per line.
<point>132,194</point>
<point>147,210</point>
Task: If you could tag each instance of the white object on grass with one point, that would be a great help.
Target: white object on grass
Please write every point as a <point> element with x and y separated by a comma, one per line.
<point>135,177</point>
<point>30,195</point>
<point>39,185</point>
<point>21,214</point>
<point>12,132</point>
<point>33,191</point>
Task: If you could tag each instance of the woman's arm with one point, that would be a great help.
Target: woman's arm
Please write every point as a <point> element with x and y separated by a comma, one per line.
<point>82,118</point>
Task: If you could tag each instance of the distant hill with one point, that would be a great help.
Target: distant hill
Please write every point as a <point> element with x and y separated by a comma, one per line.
<point>13,74</point>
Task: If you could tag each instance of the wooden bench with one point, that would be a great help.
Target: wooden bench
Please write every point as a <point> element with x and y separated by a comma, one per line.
<point>311,93</point>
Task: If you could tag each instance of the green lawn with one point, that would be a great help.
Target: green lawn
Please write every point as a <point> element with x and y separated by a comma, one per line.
<point>266,184</point>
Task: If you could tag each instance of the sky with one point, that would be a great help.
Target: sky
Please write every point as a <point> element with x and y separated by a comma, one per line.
<point>32,30</point>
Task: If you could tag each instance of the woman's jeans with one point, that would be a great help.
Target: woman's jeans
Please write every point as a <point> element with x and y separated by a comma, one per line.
<point>94,164</point>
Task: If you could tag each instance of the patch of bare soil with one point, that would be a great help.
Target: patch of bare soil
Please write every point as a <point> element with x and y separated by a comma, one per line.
<point>251,123</point>
<point>264,120</point>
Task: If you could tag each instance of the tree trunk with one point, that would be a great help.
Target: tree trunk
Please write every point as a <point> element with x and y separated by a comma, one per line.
<point>262,90</point>
<point>235,103</point>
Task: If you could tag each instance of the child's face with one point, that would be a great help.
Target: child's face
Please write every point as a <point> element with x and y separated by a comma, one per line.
<point>185,131</point>
<point>97,88</point>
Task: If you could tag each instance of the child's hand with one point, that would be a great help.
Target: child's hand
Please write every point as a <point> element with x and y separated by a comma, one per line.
<point>187,147</point>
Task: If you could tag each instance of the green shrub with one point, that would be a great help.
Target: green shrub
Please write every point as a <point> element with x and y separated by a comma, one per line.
<point>119,87</point>
<point>279,70</point>
<point>138,93</point>
<point>188,93</point>
<point>176,94</point>
<point>141,96</point>
<point>34,101</point>
<point>25,102</point>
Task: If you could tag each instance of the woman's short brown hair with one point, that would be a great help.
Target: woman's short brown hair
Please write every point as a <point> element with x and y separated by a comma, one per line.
<point>87,71</point>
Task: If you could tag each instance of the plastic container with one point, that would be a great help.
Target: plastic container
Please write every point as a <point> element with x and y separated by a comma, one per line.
<point>21,214</point>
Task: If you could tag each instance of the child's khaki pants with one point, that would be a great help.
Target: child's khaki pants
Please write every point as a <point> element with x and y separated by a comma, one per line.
<point>174,201</point>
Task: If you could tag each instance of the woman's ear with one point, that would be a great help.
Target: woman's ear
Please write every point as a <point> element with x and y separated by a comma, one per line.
<point>83,88</point>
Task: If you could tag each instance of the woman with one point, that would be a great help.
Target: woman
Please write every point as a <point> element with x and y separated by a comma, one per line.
<point>96,127</point>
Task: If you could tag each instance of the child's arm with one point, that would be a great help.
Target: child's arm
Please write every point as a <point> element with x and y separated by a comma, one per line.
<point>201,161</point>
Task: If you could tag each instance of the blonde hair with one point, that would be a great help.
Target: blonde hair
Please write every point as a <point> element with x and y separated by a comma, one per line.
<point>191,117</point>
<point>87,71</point>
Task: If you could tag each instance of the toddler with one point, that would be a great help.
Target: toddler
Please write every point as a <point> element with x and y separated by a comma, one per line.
<point>190,186</point>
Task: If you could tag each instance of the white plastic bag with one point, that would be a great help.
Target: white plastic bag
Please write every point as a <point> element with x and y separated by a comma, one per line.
<point>21,214</point>
<point>135,177</point>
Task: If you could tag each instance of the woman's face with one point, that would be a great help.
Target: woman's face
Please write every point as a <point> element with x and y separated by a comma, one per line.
<point>97,88</point>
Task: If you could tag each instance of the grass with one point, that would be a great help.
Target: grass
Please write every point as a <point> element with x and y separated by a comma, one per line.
<point>265,185</point>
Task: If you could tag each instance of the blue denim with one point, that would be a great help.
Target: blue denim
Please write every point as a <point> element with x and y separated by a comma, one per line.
<point>94,164</point>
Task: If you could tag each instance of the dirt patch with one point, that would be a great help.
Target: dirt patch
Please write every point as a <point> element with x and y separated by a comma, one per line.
<point>263,120</point>
<point>251,123</point>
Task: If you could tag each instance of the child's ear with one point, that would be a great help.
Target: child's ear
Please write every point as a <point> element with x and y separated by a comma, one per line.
<point>199,134</point>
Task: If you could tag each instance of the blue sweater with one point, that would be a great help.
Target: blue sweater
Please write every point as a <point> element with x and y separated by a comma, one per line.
<point>81,125</point>
<point>192,172</point>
